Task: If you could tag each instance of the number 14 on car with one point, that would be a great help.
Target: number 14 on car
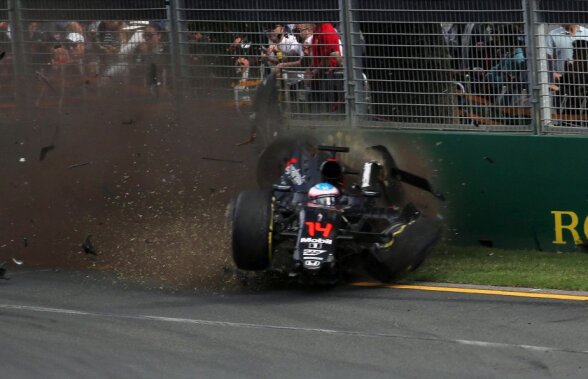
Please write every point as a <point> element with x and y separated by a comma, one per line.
<point>314,227</point>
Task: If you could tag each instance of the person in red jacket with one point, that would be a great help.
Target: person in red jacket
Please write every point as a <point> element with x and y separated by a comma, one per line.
<point>326,47</point>
<point>326,50</point>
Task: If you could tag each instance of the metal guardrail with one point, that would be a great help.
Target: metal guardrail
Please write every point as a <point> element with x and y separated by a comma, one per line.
<point>451,65</point>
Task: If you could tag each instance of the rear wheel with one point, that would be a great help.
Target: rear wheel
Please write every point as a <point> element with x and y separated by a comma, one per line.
<point>252,230</point>
<point>408,251</point>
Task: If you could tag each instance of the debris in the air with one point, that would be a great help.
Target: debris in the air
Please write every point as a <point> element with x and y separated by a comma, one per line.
<point>79,165</point>
<point>129,122</point>
<point>3,271</point>
<point>88,247</point>
<point>221,160</point>
<point>17,262</point>
<point>488,159</point>
<point>25,242</point>
<point>46,81</point>
<point>45,150</point>
<point>22,160</point>
<point>249,140</point>
<point>2,54</point>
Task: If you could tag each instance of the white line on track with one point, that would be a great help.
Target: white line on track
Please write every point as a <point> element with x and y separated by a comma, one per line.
<point>286,328</point>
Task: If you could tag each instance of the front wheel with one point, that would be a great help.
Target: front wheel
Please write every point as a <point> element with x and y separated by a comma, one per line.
<point>252,230</point>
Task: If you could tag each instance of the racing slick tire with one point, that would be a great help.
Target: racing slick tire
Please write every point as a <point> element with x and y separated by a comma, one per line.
<point>252,219</point>
<point>409,250</point>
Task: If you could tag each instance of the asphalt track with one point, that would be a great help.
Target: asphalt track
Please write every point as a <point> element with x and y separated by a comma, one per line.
<point>58,324</point>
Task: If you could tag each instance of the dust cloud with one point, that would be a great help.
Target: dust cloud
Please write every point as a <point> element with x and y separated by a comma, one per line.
<point>146,182</point>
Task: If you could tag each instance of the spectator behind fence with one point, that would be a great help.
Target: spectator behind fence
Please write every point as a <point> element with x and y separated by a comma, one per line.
<point>304,34</point>
<point>38,45</point>
<point>76,44</point>
<point>571,97</point>
<point>295,57</point>
<point>560,48</point>
<point>292,52</point>
<point>119,64</point>
<point>282,48</point>
<point>326,51</point>
<point>239,51</point>
<point>198,47</point>
<point>110,38</point>
<point>74,27</point>
<point>508,75</point>
<point>150,56</point>
<point>326,47</point>
<point>5,33</point>
<point>201,58</point>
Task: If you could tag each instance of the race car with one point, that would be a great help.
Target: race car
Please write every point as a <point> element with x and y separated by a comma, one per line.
<point>322,220</point>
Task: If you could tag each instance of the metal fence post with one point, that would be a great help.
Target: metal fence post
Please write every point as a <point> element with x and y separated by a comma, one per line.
<point>20,89</point>
<point>349,80</point>
<point>538,57</point>
<point>174,42</point>
<point>534,64</point>
<point>182,41</point>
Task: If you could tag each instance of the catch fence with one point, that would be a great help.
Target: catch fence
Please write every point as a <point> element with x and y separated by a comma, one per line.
<point>6,66</point>
<point>504,65</point>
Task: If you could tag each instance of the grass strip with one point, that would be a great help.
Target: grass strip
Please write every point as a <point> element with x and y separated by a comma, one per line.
<point>509,268</point>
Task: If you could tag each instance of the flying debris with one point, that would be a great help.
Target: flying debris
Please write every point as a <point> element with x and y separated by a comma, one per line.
<point>17,262</point>
<point>2,54</point>
<point>44,79</point>
<point>79,165</point>
<point>3,271</point>
<point>415,181</point>
<point>44,151</point>
<point>88,247</point>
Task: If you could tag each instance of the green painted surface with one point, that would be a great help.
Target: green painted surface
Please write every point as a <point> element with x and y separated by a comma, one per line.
<point>501,189</point>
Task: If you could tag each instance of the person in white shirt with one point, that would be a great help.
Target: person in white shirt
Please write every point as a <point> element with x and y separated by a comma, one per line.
<point>283,51</point>
<point>560,48</point>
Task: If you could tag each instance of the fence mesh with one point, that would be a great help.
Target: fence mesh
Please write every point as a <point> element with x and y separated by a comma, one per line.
<point>6,66</point>
<point>562,66</point>
<point>232,47</point>
<point>453,64</point>
<point>440,63</point>
<point>75,52</point>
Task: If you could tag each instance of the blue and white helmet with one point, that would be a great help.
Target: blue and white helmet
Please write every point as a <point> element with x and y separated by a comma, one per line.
<point>323,194</point>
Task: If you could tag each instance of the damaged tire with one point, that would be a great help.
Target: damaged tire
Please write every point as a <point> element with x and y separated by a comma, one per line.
<point>407,253</point>
<point>251,230</point>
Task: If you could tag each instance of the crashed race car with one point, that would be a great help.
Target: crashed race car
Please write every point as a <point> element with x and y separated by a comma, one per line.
<point>322,220</point>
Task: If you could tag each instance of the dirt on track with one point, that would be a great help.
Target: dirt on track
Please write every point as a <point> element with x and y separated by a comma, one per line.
<point>149,183</point>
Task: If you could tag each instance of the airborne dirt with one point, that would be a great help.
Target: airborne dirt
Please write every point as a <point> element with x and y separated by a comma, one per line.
<point>140,188</point>
<point>147,184</point>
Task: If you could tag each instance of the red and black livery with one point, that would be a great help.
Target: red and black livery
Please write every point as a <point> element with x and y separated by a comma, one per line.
<point>369,228</point>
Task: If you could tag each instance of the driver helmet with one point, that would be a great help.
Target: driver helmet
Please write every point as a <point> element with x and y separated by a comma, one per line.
<point>324,194</point>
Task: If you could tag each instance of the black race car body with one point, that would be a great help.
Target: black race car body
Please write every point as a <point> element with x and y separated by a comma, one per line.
<point>364,230</point>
